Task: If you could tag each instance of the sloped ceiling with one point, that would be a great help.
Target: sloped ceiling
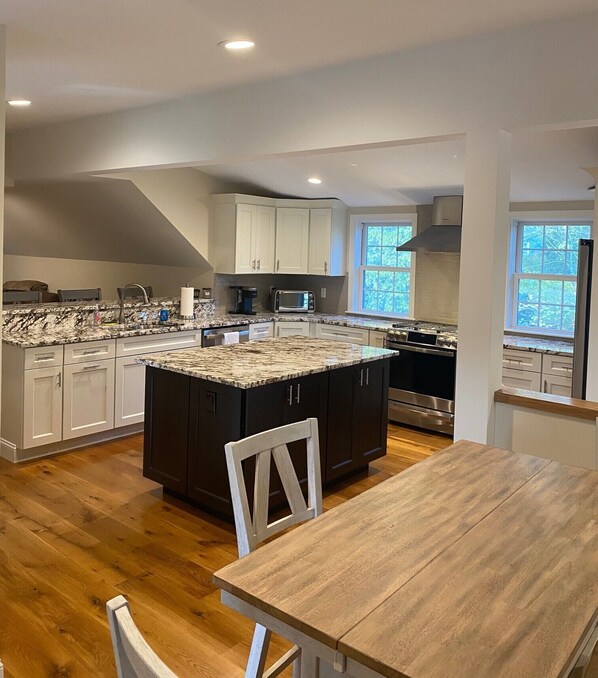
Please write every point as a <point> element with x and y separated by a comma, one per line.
<point>95,219</point>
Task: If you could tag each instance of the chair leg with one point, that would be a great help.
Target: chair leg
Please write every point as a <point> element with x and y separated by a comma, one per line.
<point>258,653</point>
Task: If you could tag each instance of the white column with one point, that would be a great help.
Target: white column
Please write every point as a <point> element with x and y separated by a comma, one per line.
<point>482,283</point>
<point>592,383</point>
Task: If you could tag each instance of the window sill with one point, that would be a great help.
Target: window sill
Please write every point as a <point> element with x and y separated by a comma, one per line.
<point>519,332</point>
<point>365,314</point>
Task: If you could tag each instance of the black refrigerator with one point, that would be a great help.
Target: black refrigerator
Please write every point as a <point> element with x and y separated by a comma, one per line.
<point>582,318</point>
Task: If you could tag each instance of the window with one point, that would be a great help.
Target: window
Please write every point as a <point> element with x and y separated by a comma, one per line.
<point>385,276</point>
<point>544,275</point>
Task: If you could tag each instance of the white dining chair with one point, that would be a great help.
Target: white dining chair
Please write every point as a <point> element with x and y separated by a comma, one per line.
<point>133,656</point>
<point>252,530</point>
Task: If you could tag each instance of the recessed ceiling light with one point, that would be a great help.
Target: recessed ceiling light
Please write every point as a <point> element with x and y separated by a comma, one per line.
<point>314,180</point>
<point>237,44</point>
<point>18,102</point>
<point>352,164</point>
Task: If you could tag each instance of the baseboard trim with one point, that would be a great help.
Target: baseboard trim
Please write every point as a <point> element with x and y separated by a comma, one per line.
<point>12,453</point>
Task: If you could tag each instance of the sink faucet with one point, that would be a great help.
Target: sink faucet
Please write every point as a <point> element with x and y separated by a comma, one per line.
<point>121,315</point>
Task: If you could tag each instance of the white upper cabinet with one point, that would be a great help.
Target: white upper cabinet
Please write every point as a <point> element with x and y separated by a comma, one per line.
<point>253,234</point>
<point>242,237</point>
<point>264,239</point>
<point>327,237</point>
<point>292,239</point>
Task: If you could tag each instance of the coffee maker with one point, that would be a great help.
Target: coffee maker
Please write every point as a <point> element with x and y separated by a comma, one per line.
<point>243,300</point>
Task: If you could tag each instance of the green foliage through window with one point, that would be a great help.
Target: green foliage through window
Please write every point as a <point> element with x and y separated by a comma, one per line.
<point>546,276</point>
<point>386,273</point>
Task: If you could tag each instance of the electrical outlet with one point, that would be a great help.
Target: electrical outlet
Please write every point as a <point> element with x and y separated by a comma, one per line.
<point>323,292</point>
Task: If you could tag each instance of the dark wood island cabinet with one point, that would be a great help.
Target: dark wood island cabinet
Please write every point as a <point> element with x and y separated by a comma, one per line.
<point>190,415</point>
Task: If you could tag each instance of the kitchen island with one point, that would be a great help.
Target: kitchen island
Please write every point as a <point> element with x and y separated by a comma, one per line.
<point>199,399</point>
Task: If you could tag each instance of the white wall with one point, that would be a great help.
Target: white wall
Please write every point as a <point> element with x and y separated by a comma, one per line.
<point>83,273</point>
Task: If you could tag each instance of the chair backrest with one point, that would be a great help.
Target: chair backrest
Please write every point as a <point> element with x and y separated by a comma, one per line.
<point>135,292</point>
<point>21,296</point>
<point>265,447</point>
<point>94,294</point>
<point>133,656</point>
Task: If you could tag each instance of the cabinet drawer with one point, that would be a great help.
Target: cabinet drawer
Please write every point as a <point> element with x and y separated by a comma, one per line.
<point>557,365</point>
<point>261,331</point>
<point>522,360</point>
<point>353,335</point>
<point>89,350</point>
<point>44,356</point>
<point>290,328</point>
<point>530,381</point>
<point>172,341</point>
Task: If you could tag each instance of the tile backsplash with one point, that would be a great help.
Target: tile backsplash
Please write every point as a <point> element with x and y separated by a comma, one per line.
<point>437,287</point>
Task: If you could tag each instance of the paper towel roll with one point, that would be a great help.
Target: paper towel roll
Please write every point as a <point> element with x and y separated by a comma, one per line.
<point>187,302</point>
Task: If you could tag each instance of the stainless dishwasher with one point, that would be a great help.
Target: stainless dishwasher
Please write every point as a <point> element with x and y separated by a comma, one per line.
<point>215,336</point>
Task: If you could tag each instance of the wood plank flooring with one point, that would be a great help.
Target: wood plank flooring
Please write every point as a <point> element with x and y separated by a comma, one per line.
<point>82,527</point>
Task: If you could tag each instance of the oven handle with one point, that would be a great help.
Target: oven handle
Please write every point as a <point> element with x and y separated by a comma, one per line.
<point>429,351</point>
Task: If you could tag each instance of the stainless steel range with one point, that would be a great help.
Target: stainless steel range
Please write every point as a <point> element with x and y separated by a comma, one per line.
<point>422,377</point>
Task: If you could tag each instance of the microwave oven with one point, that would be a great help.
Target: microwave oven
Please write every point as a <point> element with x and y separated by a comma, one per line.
<point>293,301</point>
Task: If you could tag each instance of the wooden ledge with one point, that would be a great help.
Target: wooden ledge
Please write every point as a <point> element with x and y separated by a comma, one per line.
<point>569,407</point>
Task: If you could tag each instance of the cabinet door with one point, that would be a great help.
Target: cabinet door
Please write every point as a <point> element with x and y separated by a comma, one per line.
<point>370,411</point>
<point>42,413</point>
<point>261,331</point>
<point>244,240</point>
<point>215,419</point>
<point>129,397</point>
<point>320,238</point>
<point>530,381</point>
<point>291,329</point>
<point>166,430</point>
<point>341,457</point>
<point>88,404</point>
<point>265,239</point>
<point>292,239</point>
<point>560,386</point>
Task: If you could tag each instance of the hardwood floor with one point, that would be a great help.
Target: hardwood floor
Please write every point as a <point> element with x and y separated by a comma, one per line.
<point>82,527</point>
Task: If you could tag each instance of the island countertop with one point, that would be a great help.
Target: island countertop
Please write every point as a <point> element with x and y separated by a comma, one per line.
<point>263,362</point>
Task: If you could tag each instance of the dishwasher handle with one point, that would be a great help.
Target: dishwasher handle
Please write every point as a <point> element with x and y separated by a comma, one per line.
<point>216,338</point>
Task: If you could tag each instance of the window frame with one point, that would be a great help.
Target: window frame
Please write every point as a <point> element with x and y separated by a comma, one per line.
<point>518,220</point>
<point>358,224</point>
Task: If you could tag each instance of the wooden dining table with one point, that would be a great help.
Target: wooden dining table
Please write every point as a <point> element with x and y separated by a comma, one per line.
<point>476,563</point>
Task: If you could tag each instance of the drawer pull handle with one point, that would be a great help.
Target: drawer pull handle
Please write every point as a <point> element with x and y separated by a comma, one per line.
<point>298,397</point>
<point>59,379</point>
<point>42,358</point>
<point>367,376</point>
<point>91,367</point>
<point>291,394</point>
<point>91,352</point>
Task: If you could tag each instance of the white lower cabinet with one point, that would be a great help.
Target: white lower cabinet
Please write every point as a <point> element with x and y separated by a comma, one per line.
<point>530,381</point>
<point>377,339</point>
<point>129,395</point>
<point>289,328</point>
<point>88,398</point>
<point>353,335</point>
<point>42,406</point>
<point>560,386</point>
<point>261,331</point>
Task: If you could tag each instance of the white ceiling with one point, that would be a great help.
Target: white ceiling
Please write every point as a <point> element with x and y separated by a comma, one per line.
<point>76,58</point>
<point>546,166</point>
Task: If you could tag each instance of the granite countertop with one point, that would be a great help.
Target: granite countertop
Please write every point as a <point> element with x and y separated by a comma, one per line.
<point>51,337</point>
<point>539,344</point>
<point>265,362</point>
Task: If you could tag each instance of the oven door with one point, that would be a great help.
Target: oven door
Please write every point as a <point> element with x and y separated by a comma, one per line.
<point>423,376</point>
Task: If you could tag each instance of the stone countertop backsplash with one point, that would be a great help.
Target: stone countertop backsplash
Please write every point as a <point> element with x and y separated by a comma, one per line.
<point>263,362</point>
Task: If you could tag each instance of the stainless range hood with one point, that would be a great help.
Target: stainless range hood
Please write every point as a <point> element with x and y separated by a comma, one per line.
<point>444,235</point>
